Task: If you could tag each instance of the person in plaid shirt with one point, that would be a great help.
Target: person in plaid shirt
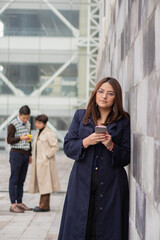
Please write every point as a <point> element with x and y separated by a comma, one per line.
<point>20,157</point>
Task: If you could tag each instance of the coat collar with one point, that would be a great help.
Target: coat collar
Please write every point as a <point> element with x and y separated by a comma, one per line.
<point>44,130</point>
<point>42,133</point>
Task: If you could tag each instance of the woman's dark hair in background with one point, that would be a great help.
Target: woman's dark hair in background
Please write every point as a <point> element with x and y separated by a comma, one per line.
<point>42,118</point>
<point>24,110</point>
<point>117,111</point>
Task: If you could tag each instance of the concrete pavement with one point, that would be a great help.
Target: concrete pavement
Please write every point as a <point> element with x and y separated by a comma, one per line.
<point>31,225</point>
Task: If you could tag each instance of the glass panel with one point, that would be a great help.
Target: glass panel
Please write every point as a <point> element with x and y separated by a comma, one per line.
<point>4,89</point>
<point>29,77</point>
<point>63,85</point>
<point>18,22</point>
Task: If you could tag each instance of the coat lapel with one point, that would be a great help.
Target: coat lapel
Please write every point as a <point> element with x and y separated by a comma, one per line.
<point>111,125</point>
<point>91,123</point>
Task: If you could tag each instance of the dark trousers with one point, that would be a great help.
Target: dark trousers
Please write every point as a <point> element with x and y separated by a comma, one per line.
<point>92,211</point>
<point>44,202</point>
<point>19,166</point>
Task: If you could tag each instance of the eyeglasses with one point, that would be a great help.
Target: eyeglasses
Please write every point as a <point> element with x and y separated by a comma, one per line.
<point>109,94</point>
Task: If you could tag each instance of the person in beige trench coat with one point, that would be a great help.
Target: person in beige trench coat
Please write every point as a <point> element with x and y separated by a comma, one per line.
<point>44,175</point>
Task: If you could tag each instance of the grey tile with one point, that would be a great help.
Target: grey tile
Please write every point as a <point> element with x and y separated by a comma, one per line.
<point>127,35</point>
<point>149,46</point>
<point>139,14</point>
<point>2,224</point>
<point>157,36</point>
<point>157,173</point>
<point>134,21</point>
<point>133,108</point>
<point>129,7</point>
<point>137,158</point>
<point>143,7</point>
<point>153,110</point>
<point>140,212</point>
<point>130,71</point>
<point>122,45</point>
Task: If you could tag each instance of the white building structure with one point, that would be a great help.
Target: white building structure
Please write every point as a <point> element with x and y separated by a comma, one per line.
<point>48,51</point>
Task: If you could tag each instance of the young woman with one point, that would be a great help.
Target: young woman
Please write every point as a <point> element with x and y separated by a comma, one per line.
<point>97,200</point>
<point>44,176</point>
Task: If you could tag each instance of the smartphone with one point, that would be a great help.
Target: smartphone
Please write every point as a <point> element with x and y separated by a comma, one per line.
<point>100,129</point>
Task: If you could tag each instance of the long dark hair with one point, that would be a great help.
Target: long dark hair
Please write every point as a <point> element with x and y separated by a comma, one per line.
<point>117,111</point>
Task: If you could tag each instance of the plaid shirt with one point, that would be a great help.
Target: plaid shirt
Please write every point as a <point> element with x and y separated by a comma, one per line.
<point>20,130</point>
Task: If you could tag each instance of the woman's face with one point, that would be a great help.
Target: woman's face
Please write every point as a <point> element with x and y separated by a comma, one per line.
<point>39,125</point>
<point>105,96</point>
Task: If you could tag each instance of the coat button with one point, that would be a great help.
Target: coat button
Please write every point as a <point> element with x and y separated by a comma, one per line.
<point>101,158</point>
<point>101,208</point>
<point>101,195</point>
<point>101,183</point>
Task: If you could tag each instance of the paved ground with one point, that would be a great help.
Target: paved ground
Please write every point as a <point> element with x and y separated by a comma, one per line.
<point>31,225</point>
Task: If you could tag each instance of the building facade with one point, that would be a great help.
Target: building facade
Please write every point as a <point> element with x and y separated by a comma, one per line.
<point>129,51</point>
<point>47,58</point>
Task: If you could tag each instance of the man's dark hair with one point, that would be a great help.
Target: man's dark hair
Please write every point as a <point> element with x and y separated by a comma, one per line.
<point>42,118</point>
<point>24,110</point>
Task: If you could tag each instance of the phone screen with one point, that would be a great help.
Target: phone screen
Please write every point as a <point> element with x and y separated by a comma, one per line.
<point>100,129</point>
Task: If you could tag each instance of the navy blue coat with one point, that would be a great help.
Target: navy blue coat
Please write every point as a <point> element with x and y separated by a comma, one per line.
<point>113,192</point>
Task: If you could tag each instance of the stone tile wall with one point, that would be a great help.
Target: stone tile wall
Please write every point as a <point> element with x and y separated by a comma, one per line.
<point>132,55</point>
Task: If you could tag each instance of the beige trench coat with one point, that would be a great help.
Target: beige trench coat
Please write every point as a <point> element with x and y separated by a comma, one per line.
<point>44,176</point>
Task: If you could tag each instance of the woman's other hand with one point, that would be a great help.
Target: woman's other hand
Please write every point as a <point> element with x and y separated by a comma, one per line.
<point>108,141</point>
<point>93,139</point>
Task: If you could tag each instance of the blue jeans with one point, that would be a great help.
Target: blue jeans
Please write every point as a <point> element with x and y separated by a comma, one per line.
<point>19,166</point>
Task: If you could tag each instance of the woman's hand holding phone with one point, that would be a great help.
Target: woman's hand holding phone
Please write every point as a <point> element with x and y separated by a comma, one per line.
<point>100,135</point>
<point>93,139</point>
<point>108,138</point>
